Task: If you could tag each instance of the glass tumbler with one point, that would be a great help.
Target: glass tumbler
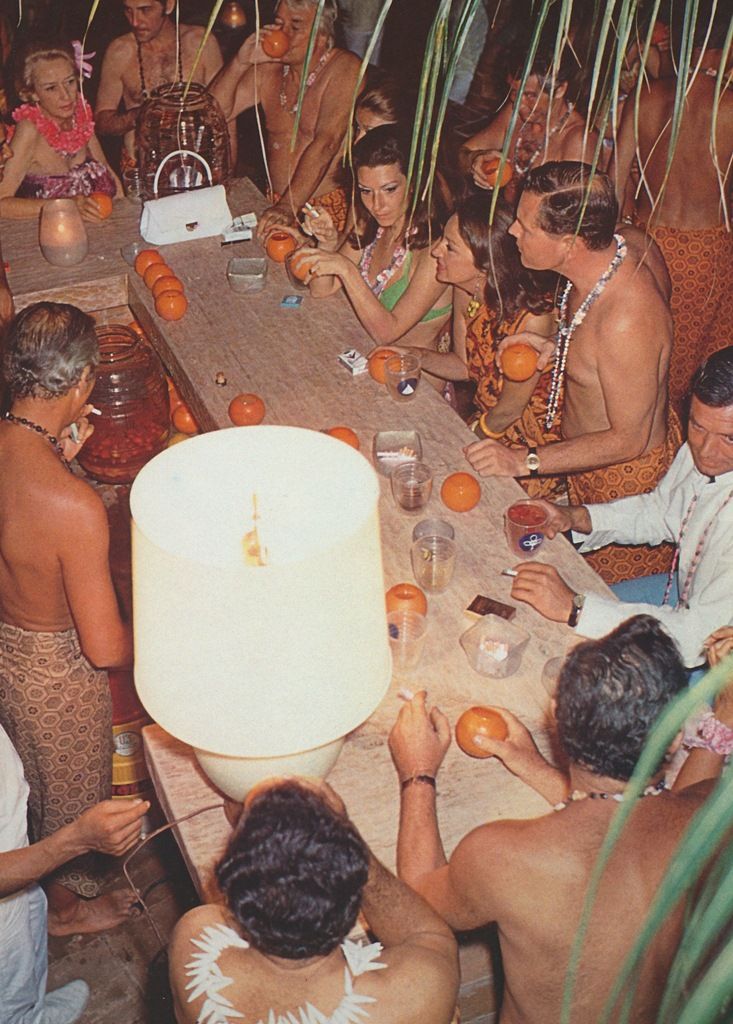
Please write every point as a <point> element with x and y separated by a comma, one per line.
<point>412,485</point>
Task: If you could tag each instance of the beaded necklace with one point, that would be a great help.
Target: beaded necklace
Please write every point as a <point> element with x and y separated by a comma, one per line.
<point>384,276</point>
<point>308,82</point>
<point>565,330</point>
<point>143,86</point>
<point>21,421</point>
<point>684,593</point>
<point>578,794</point>
<point>536,146</point>
<point>67,141</point>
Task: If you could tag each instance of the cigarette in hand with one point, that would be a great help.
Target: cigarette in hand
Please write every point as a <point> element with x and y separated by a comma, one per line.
<point>95,411</point>
<point>509,572</point>
<point>405,694</point>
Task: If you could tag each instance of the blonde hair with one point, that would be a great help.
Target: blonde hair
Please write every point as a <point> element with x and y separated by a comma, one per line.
<point>326,26</point>
<point>29,56</point>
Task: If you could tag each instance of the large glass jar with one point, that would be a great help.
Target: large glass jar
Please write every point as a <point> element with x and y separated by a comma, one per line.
<point>172,121</point>
<point>132,395</point>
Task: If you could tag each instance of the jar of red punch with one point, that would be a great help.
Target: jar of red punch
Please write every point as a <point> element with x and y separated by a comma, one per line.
<point>132,396</point>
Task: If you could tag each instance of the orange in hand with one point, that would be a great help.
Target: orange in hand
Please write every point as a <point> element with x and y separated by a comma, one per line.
<point>478,721</point>
<point>246,410</point>
<point>183,420</point>
<point>345,434</point>
<point>275,43</point>
<point>518,362</point>
<point>461,492</point>
<point>376,363</point>
<point>278,245</point>
<point>490,170</point>
<point>171,305</point>
<point>146,258</point>
<point>168,283</point>
<point>406,596</point>
<point>103,202</point>
<point>297,267</point>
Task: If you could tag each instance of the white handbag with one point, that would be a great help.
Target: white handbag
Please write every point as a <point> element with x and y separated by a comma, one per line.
<point>199,213</point>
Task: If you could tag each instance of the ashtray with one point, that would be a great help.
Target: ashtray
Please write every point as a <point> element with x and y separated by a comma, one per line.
<point>247,273</point>
<point>393,448</point>
<point>494,647</point>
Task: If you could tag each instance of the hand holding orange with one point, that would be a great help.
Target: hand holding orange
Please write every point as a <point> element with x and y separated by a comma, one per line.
<point>479,721</point>
<point>519,362</point>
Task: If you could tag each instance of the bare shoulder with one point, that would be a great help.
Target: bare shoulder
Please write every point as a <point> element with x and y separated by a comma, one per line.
<point>191,925</point>
<point>431,976</point>
<point>646,255</point>
<point>343,65</point>
<point>75,508</point>
<point>120,51</point>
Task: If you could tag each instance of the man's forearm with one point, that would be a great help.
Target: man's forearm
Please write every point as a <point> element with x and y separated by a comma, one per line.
<point>224,87</point>
<point>419,846</point>
<point>20,868</point>
<point>393,911</point>
<point>109,122</point>
<point>586,452</point>
<point>310,172</point>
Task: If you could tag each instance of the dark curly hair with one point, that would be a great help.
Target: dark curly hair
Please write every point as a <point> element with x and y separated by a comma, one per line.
<point>712,383</point>
<point>382,146</point>
<point>47,347</point>
<point>293,873</point>
<point>510,287</point>
<point>611,692</point>
<point>574,201</point>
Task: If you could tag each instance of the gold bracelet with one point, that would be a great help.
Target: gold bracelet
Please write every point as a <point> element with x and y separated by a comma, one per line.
<point>492,434</point>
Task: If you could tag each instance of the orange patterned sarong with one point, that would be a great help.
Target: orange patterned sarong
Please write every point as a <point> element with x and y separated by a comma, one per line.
<point>333,202</point>
<point>700,264</point>
<point>616,562</point>
<point>483,335</point>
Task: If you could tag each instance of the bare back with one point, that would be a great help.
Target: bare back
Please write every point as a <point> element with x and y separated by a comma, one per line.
<point>537,898</point>
<point>627,335</point>
<point>692,197</point>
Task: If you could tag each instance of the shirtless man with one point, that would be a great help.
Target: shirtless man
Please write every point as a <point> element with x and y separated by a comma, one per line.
<point>616,438</point>
<point>531,876</point>
<point>59,617</point>
<point>311,171</point>
<point>143,59</point>
<point>547,128</point>
<point>685,213</point>
<point>295,875</point>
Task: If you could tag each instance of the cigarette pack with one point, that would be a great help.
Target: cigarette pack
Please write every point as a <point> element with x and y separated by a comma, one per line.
<point>354,361</point>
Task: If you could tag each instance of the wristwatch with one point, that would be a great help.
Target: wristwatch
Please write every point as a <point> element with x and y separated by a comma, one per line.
<point>532,462</point>
<point>578,602</point>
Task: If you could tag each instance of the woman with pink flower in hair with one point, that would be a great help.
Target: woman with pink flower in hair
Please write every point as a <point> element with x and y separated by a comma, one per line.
<point>55,153</point>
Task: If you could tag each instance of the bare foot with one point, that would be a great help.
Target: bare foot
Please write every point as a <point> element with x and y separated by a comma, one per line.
<point>97,915</point>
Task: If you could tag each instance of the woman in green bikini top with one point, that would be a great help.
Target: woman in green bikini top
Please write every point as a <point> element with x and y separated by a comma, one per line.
<point>384,266</point>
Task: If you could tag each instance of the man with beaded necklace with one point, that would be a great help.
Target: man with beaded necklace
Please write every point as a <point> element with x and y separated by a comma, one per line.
<point>310,172</point>
<point>155,52</point>
<point>60,623</point>
<point>612,355</point>
<point>531,876</point>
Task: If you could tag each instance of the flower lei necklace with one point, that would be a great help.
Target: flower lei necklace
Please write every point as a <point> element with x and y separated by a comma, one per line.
<point>399,255</point>
<point>69,141</point>
<point>565,330</point>
<point>328,53</point>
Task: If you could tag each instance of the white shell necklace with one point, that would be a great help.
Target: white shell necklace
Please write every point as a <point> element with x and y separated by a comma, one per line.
<point>566,330</point>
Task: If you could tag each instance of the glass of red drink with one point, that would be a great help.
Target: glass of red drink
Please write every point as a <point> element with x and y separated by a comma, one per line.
<point>524,526</point>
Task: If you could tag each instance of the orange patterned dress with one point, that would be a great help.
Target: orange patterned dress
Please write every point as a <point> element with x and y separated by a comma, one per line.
<point>483,335</point>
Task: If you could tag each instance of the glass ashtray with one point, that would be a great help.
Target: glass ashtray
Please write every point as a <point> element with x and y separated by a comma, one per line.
<point>393,448</point>
<point>247,273</point>
<point>494,647</point>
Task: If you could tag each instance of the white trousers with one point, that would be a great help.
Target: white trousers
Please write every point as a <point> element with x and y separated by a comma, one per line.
<point>23,956</point>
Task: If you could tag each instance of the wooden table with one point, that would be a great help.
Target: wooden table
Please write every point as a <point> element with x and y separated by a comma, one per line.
<point>289,357</point>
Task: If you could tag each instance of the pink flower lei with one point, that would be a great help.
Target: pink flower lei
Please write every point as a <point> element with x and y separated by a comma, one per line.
<point>67,142</point>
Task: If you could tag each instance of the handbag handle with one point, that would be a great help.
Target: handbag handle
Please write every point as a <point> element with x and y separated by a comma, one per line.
<point>180,152</point>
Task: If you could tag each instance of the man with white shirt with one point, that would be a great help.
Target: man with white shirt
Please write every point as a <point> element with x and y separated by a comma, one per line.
<point>112,826</point>
<point>692,506</point>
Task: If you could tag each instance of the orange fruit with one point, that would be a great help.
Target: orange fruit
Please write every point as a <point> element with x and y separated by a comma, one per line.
<point>171,305</point>
<point>167,283</point>
<point>174,399</point>
<point>376,363</point>
<point>490,170</point>
<point>518,362</point>
<point>155,271</point>
<point>345,434</point>
<point>278,245</point>
<point>275,43</point>
<point>183,420</point>
<point>177,438</point>
<point>461,492</point>
<point>298,269</point>
<point>478,721</point>
<point>146,258</point>
<point>103,202</point>
<point>246,410</point>
<point>407,596</point>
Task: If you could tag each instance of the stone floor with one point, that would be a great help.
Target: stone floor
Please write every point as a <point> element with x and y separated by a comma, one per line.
<point>124,968</point>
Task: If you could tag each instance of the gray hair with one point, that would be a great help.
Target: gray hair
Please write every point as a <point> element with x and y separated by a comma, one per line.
<point>327,24</point>
<point>48,345</point>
